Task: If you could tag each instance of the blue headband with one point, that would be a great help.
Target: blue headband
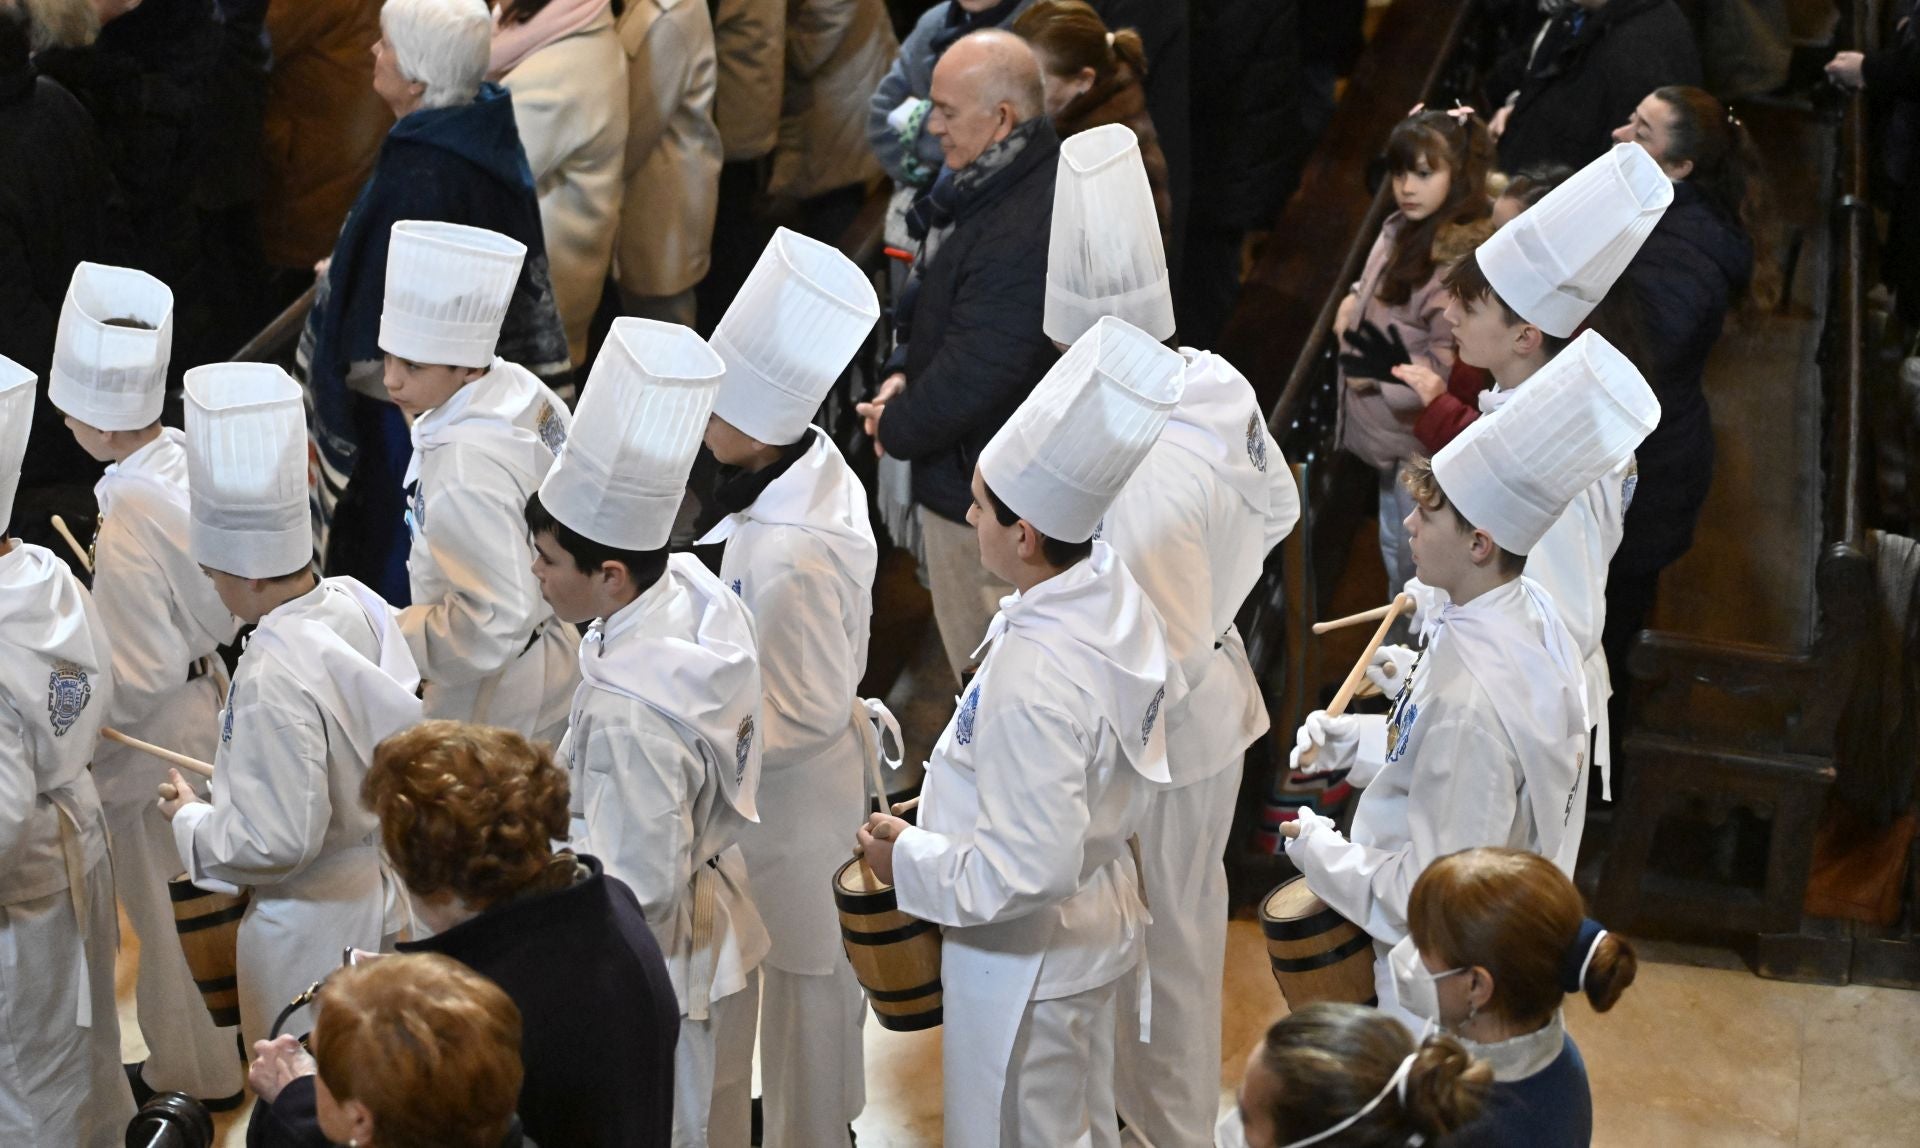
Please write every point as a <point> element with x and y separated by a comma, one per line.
<point>1573,965</point>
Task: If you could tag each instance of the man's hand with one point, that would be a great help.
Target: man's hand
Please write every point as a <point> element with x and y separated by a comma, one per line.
<point>1422,380</point>
<point>871,410</point>
<point>176,794</point>
<point>1845,70</point>
<point>875,841</point>
<point>276,1064</point>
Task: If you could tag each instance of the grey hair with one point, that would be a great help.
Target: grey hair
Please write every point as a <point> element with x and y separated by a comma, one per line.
<point>443,44</point>
<point>59,23</point>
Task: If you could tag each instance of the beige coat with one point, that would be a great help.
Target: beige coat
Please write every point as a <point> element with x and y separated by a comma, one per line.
<point>673,149</point>
<point>748,45</point>
<point>570,103</point>
<point>838,51</point>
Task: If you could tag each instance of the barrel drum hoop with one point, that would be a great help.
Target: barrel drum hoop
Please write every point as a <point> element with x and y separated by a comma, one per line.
<point>887,936</point>
<point>1301,928</point>
<point>225,916</point>
<point>224,1017</point>
<point>1321,960</point>
<point>865,904</point>
<point>901,996</point>
<point>217,984</point>
<point>909,1022</point>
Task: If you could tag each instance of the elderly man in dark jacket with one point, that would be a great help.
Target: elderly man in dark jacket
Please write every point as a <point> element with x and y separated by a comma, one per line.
<point>971,345</point>
<point>1583,77</point>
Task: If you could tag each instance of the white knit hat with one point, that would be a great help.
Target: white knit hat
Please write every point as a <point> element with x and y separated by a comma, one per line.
<point>17,393</point>
<point>448,286</point>
<point>793,328</point>
<point>1513,472</point>
<point>109,376</point>
<point>247,471</point>
<point>1105,257</point>
<point>622,474</point>
<point>1555,262</point>
<point>1064,455</point>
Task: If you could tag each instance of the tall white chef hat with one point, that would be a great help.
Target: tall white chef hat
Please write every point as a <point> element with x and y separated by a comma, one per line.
<point>111,351</point>
<point>16,423</point>
<point>622,474</point>
<point>1557,260</point>
<point>1064,455</point>
<point>448,286</point>
<point>1512,473</point>
<point>247,470</point>
<point>791,331</point>
<point>1105,256</point>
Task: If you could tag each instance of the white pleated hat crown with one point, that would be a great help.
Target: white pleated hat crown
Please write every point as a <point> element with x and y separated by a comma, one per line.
<point>448,286</point>
<point>1555,262</point>
<point>17,394</point>
<point>247,470</point>
<point>1064,455</point>
<point>111,351</point>
<point>622,474</point>
<point>1105,256</point>
<point>791,331</point>
<point>1513,472</point>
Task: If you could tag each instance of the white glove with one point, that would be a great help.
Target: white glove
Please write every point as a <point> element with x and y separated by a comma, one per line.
<point>1390,667</point>
<point>1337,739</point>
<point>1310,822</point>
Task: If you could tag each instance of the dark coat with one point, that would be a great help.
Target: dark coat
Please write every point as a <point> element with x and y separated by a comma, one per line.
<point>599,1018</point>
<point>1248,147</point>
<point>976,347</point>
<point>1165,32</point>
<point>1553,1108</point>
<point>1694,267</point>
<point>1121,100</point>
<point>1590,70</point>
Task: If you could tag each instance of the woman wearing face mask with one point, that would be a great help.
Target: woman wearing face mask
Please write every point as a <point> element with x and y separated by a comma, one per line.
<point>1349,1076</point>
<point>1497,938</point>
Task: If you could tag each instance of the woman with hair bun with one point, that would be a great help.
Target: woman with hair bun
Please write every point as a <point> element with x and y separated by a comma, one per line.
<point>1496,940</point>
<point>1350,1076</point>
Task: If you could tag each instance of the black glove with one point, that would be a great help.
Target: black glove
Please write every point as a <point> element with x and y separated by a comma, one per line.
<point>1373,353</point>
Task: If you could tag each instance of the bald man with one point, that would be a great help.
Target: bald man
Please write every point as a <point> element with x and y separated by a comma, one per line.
<point>970,345</point>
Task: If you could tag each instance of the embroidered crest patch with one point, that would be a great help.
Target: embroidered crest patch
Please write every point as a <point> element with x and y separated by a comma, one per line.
<point>963,721</point>
<point>416,509</point>
<point>1256,443</point>
<point>1629,484</point>
<point>735,587</point>
<point>1400,719</point>
<point>552,432</point>
<point>1153,713</point>
<point>226,719</point>
<point>742,746</point>
<point>68,692</point>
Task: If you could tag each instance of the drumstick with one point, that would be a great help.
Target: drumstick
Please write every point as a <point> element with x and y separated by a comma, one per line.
<point>1372,615</point>
<point>190,764</point>
<point>1400,605</point>
<point>907,806</point>
<point>79,551</point>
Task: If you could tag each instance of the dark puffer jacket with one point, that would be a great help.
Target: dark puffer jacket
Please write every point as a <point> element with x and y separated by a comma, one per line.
<point>976,347</point>
<point>1587,74</point>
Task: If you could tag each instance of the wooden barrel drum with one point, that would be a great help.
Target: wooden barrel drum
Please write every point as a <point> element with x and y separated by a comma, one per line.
<point>1317,955</point>
<point>896,958</point>
<point>209,928</point>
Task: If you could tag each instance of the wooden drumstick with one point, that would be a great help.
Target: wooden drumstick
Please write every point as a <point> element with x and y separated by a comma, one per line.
<point>1372,615</point>
<point>907,806</point>
<point>79,551</point>
<point>1400,605</point>
<point>190,764</point>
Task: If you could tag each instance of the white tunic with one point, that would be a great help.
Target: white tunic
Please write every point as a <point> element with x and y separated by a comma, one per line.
<point>665,761</point>
<point>487,644</point>
<point>802,558</point>
<point>1484,746</point>
<point>165,618</point>
<point>1021,852</point>
<point>324,679</point>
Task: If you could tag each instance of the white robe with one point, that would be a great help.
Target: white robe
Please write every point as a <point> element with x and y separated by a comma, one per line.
<point>1021,852</point>
<point>802,558</point>
<point>167,622</point>
<point>324,679</point>
<point>485,641</point>
<point>1195,524</point>
<point>664,753</point>
<point>60,1080</point>
<point>1486,745</point>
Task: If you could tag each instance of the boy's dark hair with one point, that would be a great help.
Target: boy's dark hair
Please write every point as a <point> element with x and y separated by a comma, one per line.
<point>1058,554</point>
<point>1467,283</point>
<point>644,566</point>
<point>1416,474</point>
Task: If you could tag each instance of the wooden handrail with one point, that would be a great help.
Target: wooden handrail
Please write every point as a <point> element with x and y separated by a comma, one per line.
<point>1854,217</point>
<point>277,337</point>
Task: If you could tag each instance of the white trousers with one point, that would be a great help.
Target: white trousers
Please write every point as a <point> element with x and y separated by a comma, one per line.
<point>60,1085</point>
<point>185,1052</point>
<point>1059,1091</point>
<point>1169,1091</point>
<point>713,1074</point>
<point>812,1064</point>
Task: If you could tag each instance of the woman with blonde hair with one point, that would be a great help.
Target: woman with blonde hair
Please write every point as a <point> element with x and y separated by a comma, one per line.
<point>1497,938</point>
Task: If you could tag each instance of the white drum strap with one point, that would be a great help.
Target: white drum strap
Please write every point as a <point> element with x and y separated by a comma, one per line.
<point>700,967</point>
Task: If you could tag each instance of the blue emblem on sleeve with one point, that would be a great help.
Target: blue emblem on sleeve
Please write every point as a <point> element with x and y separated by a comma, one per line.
<point>1256,443</point>
<point>1628,485</point>
<point>1401,718</point>
<point>963,721</point>
<point>742,745</point>
<point>552,432</point>
<point>68,692</point>
<point>735,587</point>
<point>1153,713</point>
